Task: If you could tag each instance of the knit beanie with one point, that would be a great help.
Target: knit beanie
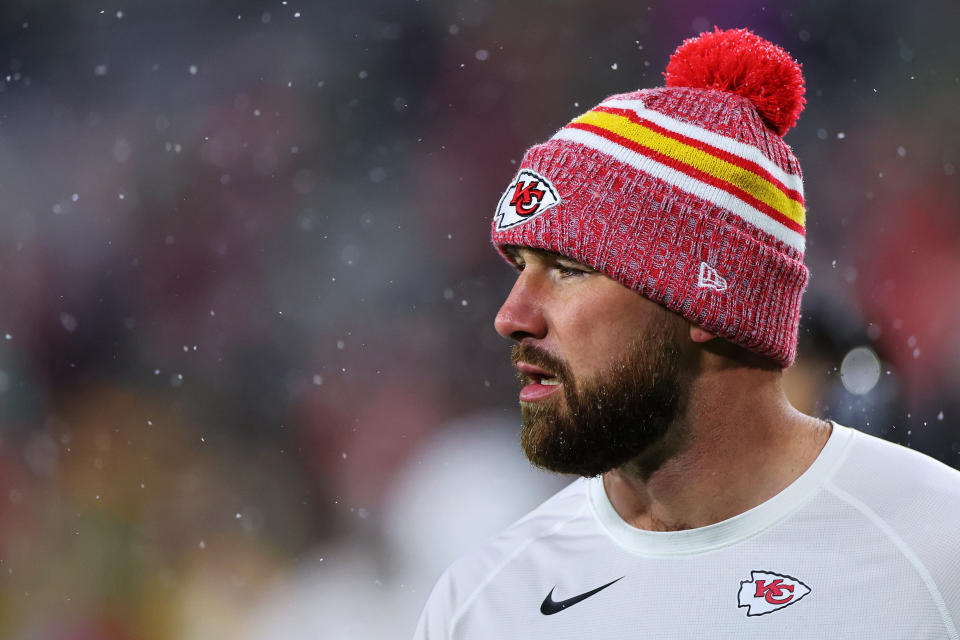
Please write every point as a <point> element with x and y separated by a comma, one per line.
<point>686,193</point>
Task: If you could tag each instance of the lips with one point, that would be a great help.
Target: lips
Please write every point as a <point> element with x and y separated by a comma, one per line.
<point>540,382</point>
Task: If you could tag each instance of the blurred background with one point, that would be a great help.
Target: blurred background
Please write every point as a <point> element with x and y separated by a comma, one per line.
<point>249,383</point>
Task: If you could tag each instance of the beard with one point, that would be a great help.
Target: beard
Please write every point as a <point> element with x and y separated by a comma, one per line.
<point>610,419</point>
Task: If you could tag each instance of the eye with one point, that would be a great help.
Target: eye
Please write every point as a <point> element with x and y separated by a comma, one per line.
<point>567,271</point>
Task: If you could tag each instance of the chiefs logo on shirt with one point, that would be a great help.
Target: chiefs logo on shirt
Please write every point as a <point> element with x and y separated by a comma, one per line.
<point>529,195</point>
<point>766,592</point>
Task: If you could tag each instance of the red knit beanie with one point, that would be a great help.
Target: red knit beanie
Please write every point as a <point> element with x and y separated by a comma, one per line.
<point>686,194</point>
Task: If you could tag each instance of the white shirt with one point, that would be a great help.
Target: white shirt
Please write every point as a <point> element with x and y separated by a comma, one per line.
<point>864,544</point>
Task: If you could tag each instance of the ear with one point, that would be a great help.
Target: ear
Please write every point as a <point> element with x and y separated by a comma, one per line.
<point>700,335</point>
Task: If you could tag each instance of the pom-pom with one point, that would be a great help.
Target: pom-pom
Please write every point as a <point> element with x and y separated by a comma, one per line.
<point>742,62</point>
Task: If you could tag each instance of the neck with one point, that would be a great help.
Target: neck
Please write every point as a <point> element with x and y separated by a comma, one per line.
<point>738,443</point>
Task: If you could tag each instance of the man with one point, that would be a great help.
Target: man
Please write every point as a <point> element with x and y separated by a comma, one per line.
<point>660,240</point>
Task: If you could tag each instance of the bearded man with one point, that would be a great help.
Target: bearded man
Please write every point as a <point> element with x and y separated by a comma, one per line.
<point>659,240</point>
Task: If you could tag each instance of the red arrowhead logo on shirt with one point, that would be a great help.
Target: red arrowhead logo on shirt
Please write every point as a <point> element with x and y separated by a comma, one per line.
<point>767,592</point>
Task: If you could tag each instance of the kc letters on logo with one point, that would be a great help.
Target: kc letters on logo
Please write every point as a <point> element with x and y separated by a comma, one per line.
<point>529,195</point>
<point>767,592</point>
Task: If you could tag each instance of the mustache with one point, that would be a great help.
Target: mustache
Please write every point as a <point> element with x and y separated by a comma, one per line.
<point>540,358</point>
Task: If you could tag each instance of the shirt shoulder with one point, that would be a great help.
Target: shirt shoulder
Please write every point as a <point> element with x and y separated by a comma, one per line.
<point>885,475</point>
<point>914,500</point>
<point>464,580</point>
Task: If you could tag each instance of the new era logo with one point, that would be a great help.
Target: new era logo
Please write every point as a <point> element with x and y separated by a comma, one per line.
<point>766,592</point>
<point>710,279</point>
<point>529,195</point>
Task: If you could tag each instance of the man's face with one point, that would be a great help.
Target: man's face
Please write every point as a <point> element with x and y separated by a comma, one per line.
<point>600,364</point>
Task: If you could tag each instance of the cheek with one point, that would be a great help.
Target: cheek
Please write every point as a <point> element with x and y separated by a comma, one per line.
<point>592,337</point>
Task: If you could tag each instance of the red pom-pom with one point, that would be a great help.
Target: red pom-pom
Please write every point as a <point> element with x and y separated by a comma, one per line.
<point>742,62</point>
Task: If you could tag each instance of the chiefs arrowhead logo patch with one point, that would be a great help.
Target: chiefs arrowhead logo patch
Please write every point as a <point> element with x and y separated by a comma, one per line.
<point>766,592</point>
<point>529,195</point>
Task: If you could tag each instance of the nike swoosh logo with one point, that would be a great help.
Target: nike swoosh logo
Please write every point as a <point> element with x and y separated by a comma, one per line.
<point>551,606</point>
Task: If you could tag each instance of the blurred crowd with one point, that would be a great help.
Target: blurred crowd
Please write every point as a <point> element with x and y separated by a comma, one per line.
<point>249,383</point>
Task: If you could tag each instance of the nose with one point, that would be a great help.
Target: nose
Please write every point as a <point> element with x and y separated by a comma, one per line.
<point>521,314</point>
